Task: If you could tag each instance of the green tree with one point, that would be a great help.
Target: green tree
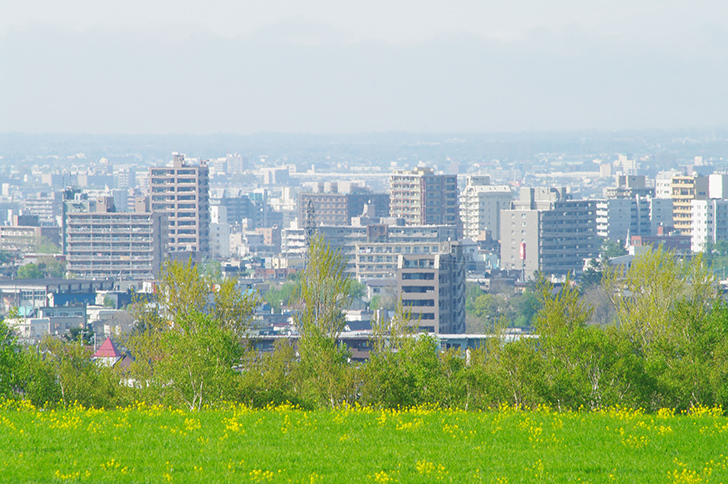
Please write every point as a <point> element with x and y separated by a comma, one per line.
<point>404,368</point>
<point>183,292</point>
<point>30,271</point>
<point>526,306</point>
<point>285,295</point>
<point>612,249</point>
<point>187,342</point>
<point>193,362</point>
<point>592,275</point>
<point>272,378</point>
<point>47,246</point>
<point>504,370</point>
<point>325,294</point>
<point>571,352</point>
<point>358,289</point>
<point>6,257</point>
<point>10,356</point>
<point>52,268</point>
<point>36,378</point>
<point>669,310</point>
<point>83,335</point>
<point>47,267</point>
<point>66,370</point>
<point>212,270</point>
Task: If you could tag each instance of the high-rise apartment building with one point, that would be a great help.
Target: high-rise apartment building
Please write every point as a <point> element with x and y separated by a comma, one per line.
<point>46,205</point>
<point>660,214</point>
<point>685,189</point>
<point>618,218</point>
<point>339,208</point>
<point>180,191</point>
<point>101,243</point>
<point>709,223</point>
<point>432,286</point>
<point>421,197</point>
<point>481,204</point>
<point>549,234</point>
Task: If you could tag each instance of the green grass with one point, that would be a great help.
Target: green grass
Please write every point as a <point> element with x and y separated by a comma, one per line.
<point>285,445</point>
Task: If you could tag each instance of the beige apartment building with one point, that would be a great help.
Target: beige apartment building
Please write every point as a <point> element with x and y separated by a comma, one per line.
<point>101,243</point>
<point>685,189</point>
<point>421,197</point>
<point>181,192</point>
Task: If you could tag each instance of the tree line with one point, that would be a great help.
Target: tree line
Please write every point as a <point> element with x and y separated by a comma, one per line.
<point>191,347</point>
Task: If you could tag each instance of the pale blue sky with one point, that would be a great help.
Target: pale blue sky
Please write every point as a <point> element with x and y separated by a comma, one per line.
<point>329,66</point>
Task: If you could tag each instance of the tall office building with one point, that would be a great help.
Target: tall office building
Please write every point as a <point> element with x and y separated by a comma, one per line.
<point>421,197</point>
<point>180,191</point>
<point>481,204</point>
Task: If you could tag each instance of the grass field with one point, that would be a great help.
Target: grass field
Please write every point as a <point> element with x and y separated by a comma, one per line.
<point>143,444</point>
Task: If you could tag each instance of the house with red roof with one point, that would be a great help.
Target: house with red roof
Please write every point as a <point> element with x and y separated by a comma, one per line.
<point>108,354</point>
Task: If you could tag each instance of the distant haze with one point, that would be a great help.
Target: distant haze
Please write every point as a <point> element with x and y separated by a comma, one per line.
<point>342,67</point>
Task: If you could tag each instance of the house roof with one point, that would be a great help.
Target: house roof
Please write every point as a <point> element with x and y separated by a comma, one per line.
<point>108,350</point>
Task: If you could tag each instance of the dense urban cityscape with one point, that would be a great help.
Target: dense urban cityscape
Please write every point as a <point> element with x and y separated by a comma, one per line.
<point>84,235</point>
<point>388,241</point>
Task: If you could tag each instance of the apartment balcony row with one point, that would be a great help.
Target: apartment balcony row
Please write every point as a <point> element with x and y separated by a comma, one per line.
<point>76,239</point>
<point>91,232</point>
<point>108,259</point>
<point>111,271</point>
<point>106,249</point>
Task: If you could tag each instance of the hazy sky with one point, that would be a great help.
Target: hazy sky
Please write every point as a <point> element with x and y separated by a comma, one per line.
<point>159,66</point>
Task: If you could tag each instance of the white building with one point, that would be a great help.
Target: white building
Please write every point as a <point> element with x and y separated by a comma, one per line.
<point>481,204</point>
<point>710,223</point>
<point>718,186</point>
<point>663,183</point>
<point>219,240</point>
